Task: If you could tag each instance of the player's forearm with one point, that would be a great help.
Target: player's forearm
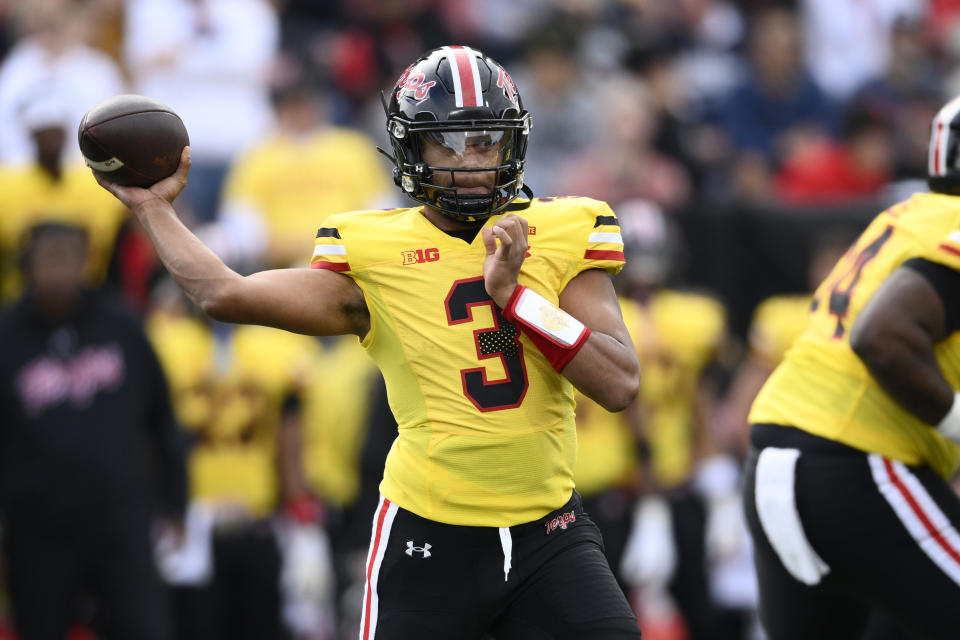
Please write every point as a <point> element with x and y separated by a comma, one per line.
<point>200,273</point>
<point>606,371</point>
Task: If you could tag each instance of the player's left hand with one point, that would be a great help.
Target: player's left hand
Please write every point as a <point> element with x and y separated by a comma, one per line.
<point>502,264</point>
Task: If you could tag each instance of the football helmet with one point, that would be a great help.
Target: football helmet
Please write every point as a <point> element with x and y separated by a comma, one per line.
<point>454,118</point>
<point>943,157</point>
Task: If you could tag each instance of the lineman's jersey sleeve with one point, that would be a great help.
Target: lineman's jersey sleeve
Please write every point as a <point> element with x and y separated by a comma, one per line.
<point>941,248</point>
<point>329,249</point>
<point>595,241</point>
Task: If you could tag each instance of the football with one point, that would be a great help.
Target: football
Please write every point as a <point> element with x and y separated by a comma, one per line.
<point>132,140</point>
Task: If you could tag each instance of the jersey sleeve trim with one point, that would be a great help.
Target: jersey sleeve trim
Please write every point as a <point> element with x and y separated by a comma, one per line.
<point>330,266</point>
<point>606,220</point>
<point>329,252</point>
<point>596,254</point>
<point>605,244</point>
<point>949,249</point>
<point>328,232</point>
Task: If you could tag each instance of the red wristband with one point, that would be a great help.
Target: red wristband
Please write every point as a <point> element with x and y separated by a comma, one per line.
<point>559,347</point>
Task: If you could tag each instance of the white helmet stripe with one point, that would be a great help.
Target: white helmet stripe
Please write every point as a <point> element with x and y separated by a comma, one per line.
<point>937,156</point>
<point>466,76</point>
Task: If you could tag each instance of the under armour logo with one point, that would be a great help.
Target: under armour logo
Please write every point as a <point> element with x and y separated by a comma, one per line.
<point>424,550</point>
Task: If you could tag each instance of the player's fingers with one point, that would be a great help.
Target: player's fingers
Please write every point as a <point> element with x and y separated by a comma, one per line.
<point>185,163</point>
<point>518,220</point>
<point>506,240</point>
<point>489,241</point>
<point>515,228</point>
<point>103,182</point>
<point>184,167</point>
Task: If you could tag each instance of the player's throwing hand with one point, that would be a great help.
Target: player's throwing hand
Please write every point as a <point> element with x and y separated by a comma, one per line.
<point>502,264</point>
<point>167,189</point>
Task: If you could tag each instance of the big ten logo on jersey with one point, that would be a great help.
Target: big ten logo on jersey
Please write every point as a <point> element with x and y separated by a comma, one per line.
<point>414,83</point>
<point>419,256</point>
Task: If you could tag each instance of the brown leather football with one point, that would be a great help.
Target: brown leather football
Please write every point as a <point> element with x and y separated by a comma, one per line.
<point>132,140</point>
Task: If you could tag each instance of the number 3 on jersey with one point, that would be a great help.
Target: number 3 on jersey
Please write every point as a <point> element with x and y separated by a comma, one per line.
<point>848,272</point>
<point>500,341</point>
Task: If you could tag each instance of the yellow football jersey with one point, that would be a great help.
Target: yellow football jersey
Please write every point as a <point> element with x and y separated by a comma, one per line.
<point>230,393</point>
<point>31,196</point>
<point>676,334</point>
<point>292,182</point>
<point>823,387</point>
<point>486,426</point>
<point>680,334</point>
<point>777,321</point>
<point>334,429</point>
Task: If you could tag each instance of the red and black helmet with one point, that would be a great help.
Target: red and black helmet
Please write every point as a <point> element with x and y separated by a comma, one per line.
<point>943,157</point>
<point>456,97</point>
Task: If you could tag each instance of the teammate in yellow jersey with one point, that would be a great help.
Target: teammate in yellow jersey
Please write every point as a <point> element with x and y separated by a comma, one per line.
<point>483,311</point>
<point>856,432</point>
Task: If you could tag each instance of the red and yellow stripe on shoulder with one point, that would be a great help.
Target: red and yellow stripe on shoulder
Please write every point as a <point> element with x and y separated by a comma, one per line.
<point>952,244</point>
<point>329,252</point>
<point>604,243</point>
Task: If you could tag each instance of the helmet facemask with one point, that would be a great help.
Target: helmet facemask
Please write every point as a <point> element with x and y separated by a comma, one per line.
<point>467,170</point>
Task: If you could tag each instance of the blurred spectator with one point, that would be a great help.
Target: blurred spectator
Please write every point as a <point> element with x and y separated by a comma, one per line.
<point>848,42</point>
<point>682,133</point>
<point>278,189</point>
<point>777,320</point>
<point>907,94</point>
<point>911,70</point>
<point>713,29</point>
<point>777,102</point>
<point>857,167</point>
<point>345,445</point>
<point>622,163</point>
<point>51,58</point>
<point>209,60</point>
<point>686,542</point>
<point>53,185</point>
<point>236,391</point>
<point>561,92</point>
<point>87,422</point>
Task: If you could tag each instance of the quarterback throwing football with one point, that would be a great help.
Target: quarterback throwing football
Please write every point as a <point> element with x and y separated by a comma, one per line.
<point>483,310</point>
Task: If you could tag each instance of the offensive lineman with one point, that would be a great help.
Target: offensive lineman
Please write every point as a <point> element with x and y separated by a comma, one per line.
<point>855,435</point>
<point>482,322</point>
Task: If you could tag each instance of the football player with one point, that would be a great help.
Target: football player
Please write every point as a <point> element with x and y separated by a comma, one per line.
<point>855,434</point>
<point>484,311</point>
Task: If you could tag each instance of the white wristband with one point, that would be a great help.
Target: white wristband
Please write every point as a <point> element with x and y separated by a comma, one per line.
<point>550,320</point>
<point>949,427</point>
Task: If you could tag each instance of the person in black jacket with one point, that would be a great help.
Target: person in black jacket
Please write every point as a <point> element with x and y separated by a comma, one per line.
<point>86,426</point>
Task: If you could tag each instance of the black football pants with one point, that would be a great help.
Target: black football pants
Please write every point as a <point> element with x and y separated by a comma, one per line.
<point>542,580</point>
<point>839,532</point>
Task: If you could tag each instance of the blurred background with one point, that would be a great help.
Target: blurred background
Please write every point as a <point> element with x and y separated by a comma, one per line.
<point>743,145</point>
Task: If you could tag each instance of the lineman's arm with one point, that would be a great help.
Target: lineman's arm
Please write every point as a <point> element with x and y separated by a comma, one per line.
<point>895,335</point>
<point>605,367</point>
<point>311,301</point>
